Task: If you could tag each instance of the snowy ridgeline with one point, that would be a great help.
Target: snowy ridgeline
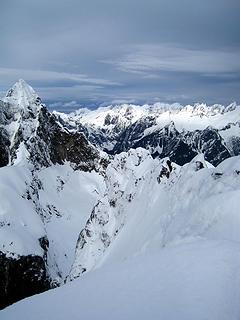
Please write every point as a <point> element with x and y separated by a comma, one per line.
<point>141,236</point>
<point>189,117</point>
<point>112,121</point>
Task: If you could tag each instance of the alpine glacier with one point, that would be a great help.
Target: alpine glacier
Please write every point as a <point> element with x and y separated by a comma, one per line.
<point>132,210</point>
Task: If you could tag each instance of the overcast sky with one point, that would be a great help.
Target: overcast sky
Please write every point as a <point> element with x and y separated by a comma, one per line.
<point>76,52</point>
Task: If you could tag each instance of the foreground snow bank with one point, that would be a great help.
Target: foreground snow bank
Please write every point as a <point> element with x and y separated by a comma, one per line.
<point>198,280</point>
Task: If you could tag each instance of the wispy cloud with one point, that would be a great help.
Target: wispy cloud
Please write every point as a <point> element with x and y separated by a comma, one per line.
<point>46,75</point>
<point>147,59</point>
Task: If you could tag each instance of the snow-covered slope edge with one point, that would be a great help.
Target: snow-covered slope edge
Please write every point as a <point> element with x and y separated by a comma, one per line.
<point>177,255</point>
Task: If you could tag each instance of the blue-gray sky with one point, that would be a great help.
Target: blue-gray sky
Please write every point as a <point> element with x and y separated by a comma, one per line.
<point>91,52</point>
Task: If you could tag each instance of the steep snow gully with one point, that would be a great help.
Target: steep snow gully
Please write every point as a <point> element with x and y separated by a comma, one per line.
<point>129,212</point>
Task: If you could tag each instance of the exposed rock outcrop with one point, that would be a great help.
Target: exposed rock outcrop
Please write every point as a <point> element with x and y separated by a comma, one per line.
<point>21,277</point>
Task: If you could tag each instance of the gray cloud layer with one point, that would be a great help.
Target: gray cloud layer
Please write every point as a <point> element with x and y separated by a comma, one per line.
<point>97,51</point>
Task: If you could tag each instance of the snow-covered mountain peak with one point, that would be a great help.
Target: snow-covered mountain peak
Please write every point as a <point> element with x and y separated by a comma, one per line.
<point>22,96</point>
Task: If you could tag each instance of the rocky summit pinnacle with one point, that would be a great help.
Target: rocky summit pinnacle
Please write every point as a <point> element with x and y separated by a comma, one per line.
<point>22,95</point>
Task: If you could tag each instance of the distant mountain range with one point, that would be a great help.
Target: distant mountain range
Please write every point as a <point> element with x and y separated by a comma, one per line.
<point>165,130</point>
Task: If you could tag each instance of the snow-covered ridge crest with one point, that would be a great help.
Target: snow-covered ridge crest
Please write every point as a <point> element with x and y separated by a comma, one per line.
<point>132,113</point>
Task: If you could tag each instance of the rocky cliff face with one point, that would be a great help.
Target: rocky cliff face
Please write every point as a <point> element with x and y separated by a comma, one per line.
<point>21,277</point>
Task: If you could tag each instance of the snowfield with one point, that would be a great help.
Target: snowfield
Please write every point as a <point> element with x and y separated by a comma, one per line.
<point>197,280</point>
<point>177,254</point>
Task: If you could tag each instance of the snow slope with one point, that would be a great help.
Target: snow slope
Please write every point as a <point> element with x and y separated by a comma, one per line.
<point>176,233</point>
<point>197,280</point>
<point>177,255</point>
<point>149,206</point>
<point>21,227</point>
<point>193,204</point>
<point>124,176</point>
<point>54,202</point>
<point>67,198</point>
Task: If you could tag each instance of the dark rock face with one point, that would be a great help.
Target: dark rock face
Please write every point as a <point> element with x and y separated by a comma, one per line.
<point>54,144</point>
<point>180,147</point>
<point>21,277</point>
<point>210,143</point>
<point>74,148</point>
<point>4,138</point>
<point>234,145</point>
<point>167,142</point>
<point>131,134</point>
<point>4,147</point>
<point>48,142</point>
